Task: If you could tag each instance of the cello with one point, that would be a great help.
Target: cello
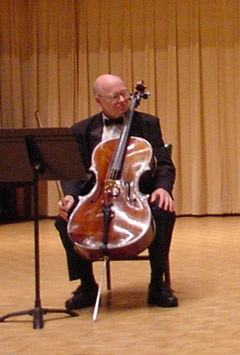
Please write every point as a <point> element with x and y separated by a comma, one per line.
<point>114,219</point>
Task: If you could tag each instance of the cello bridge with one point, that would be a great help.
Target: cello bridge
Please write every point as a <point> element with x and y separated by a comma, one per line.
<point>111,189</point>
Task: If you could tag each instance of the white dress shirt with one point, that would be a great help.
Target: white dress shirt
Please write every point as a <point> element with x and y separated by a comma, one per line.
<point>112,131</point>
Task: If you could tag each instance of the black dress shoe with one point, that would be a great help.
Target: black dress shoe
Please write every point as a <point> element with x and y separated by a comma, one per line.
<point>162,296</point>
<point>82,297</point>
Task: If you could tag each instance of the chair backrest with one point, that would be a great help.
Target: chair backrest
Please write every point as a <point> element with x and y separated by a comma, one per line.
<point>168,146</point>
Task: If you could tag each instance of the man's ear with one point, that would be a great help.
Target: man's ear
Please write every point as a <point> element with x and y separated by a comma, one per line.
<point>97,100</point>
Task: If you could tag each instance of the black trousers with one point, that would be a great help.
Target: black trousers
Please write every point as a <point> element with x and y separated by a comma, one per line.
<point>79,267</point>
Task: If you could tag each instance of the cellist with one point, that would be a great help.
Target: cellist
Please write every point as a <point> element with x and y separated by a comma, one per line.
<point>112,95</point>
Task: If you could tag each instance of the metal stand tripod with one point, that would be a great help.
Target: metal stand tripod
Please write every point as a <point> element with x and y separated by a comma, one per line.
<point>37,311</point>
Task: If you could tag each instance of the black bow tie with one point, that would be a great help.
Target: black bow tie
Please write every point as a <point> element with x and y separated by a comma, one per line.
<point>109,122</point>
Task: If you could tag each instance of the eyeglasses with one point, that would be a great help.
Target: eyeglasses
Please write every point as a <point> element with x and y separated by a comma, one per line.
<point>114,98</point>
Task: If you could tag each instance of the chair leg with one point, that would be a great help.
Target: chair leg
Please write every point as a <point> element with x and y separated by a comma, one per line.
<point>166,274</point>
<point>108,274</point>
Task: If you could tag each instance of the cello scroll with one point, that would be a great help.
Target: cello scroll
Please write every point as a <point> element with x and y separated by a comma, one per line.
<point>141,92</point>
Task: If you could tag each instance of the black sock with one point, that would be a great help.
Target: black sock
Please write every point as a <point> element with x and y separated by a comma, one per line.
<point>87,277</point>
<point>156,280</point>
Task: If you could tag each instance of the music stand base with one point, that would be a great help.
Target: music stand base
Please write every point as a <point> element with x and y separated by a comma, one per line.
<point>37,314</point>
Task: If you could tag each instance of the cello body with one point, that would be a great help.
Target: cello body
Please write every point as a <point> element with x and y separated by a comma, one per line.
<point>114,220</point>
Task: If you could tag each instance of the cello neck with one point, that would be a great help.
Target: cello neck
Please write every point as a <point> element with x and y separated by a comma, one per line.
<point>118,156</point>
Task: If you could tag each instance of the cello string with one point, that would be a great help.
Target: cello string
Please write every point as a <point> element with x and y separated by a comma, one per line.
<point>96,307</point>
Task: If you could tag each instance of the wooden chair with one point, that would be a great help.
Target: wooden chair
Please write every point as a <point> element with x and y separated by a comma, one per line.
<point>137,257</point>
<point>141,256</point>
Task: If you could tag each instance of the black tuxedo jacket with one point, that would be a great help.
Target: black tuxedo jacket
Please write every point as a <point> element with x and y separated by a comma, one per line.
<point>89,131</point>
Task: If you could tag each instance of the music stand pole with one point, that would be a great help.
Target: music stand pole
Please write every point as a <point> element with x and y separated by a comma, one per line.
<point>37,312</point>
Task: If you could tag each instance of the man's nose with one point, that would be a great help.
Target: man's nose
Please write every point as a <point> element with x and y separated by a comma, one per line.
<point>121,97</point>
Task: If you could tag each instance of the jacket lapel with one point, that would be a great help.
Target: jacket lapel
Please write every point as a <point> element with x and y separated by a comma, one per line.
<point>95,131</point>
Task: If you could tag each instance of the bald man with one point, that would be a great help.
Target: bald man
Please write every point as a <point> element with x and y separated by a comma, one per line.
<point>113,97</point>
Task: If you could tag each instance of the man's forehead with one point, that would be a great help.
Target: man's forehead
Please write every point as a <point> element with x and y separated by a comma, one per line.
<point>115,89</point>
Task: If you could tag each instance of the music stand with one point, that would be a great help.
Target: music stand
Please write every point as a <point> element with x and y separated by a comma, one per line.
<point>30,155</point>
